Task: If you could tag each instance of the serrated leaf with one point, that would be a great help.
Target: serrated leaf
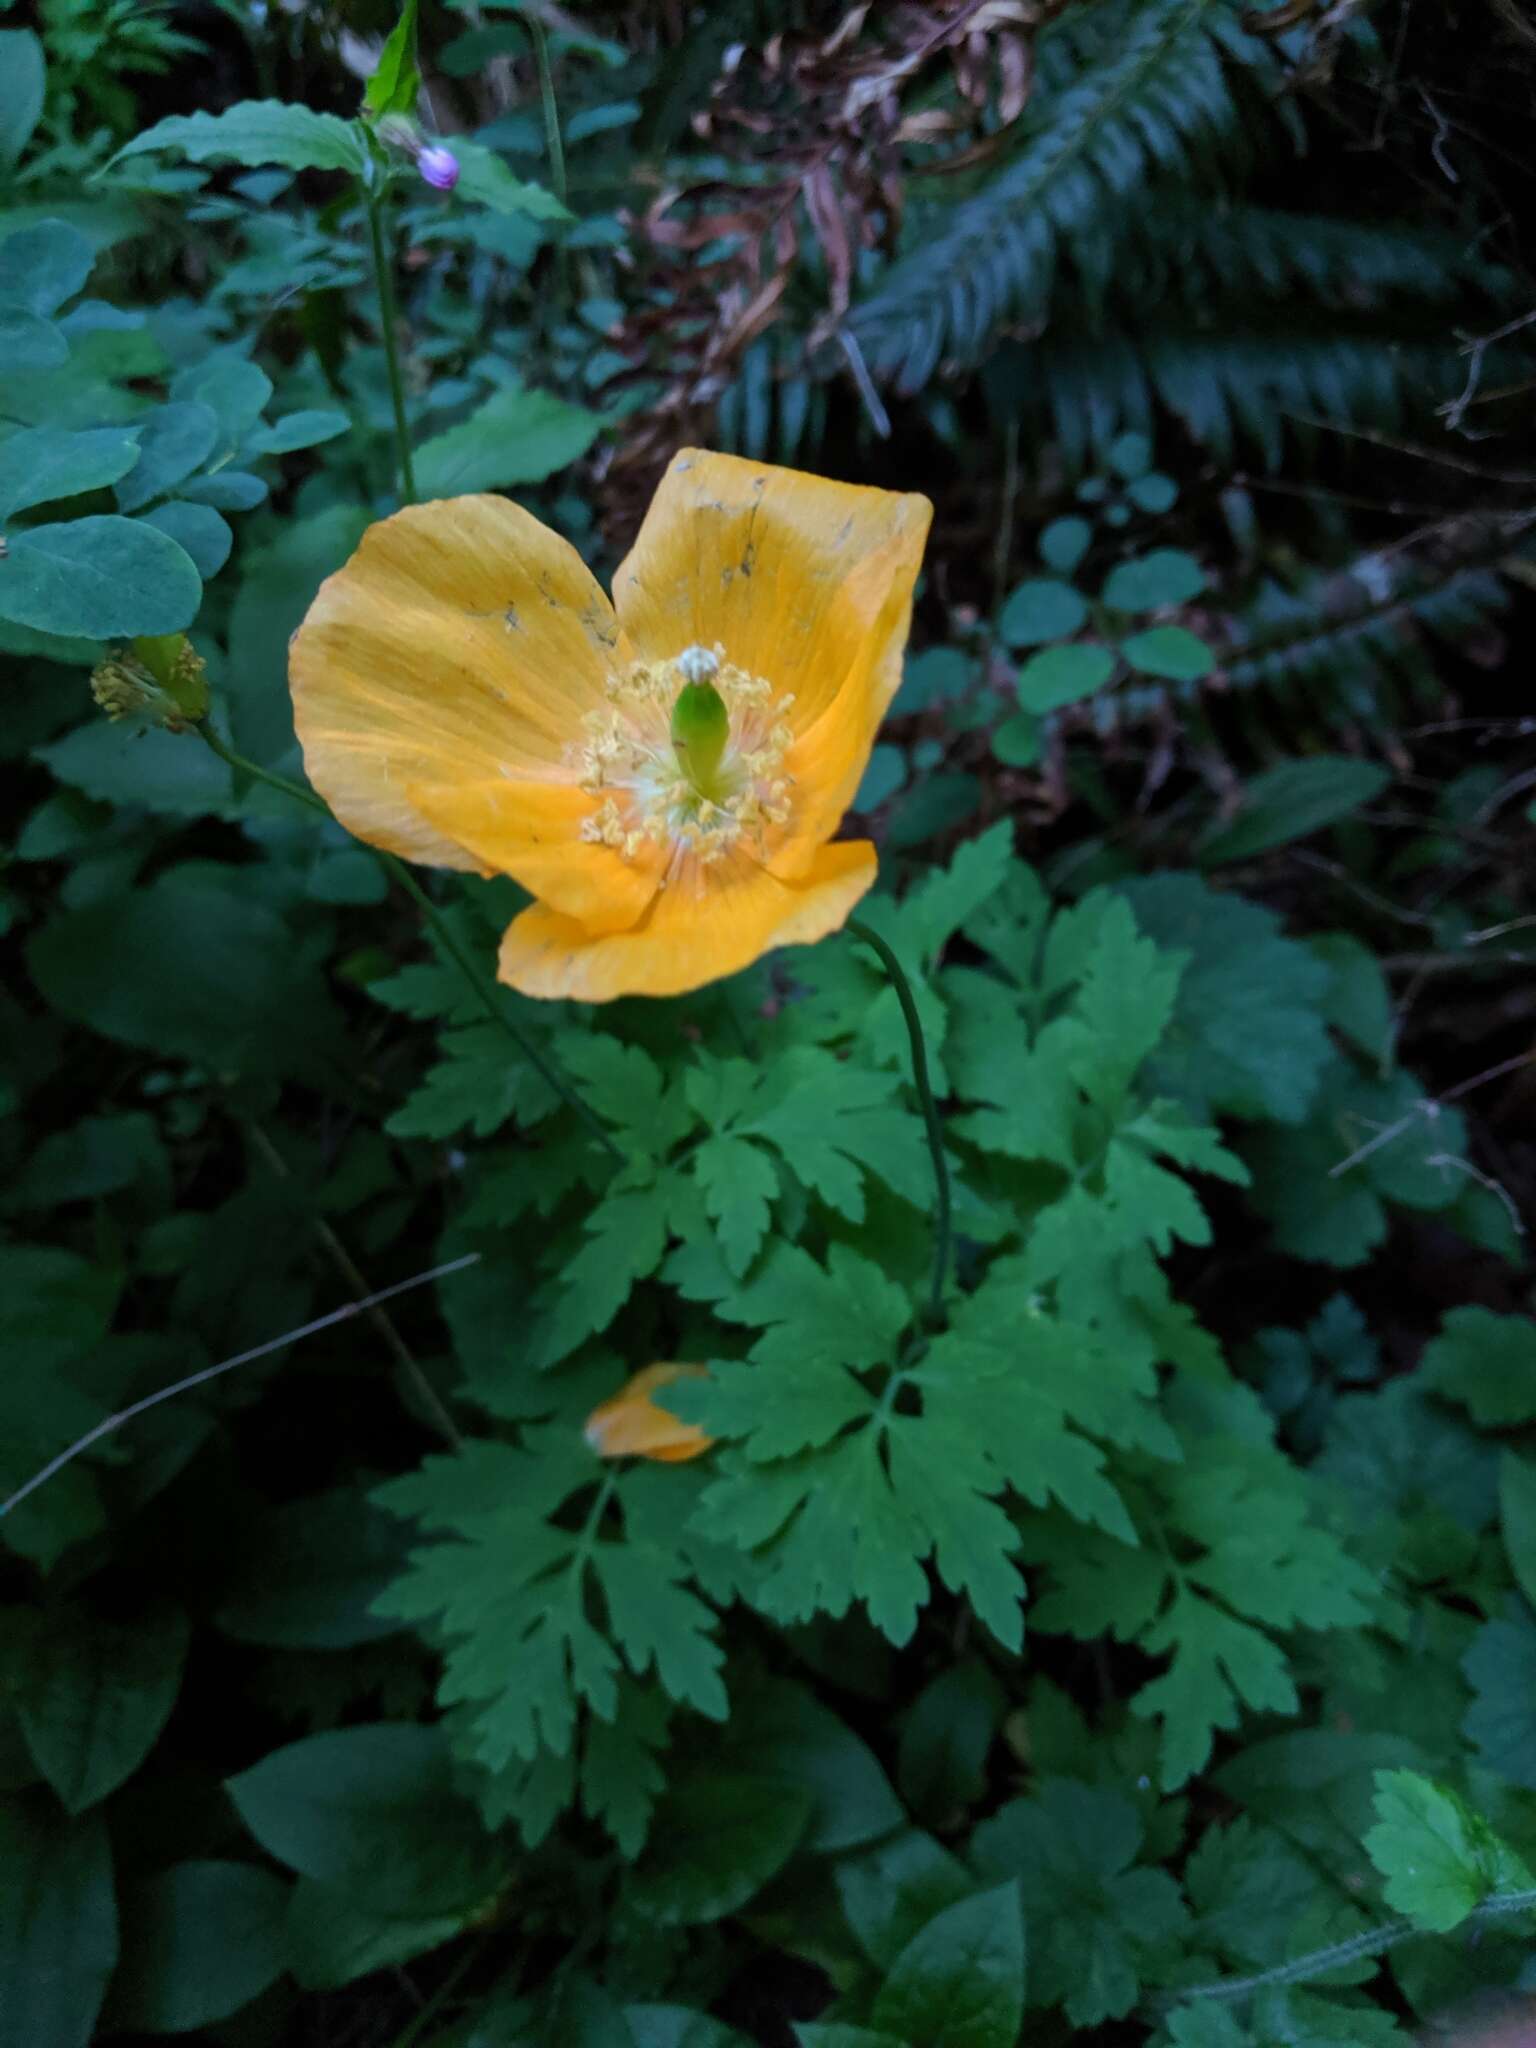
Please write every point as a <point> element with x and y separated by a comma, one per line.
<point>740,1184</point>
<point>515,437</point>
<point>484,178</point>
<point>1439,1858</point>
<point>1150,582</point>
<point>1487,1363</point>
<point>1064,675</point>
<point>255,132</point>
<point>1096,1921</point>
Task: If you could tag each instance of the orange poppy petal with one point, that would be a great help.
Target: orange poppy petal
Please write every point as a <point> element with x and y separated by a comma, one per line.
<point>532,831</point>
<point>630,1425</point>
<point>826,760</point>
<point>706,924</point>
<point>789,573</point>
<point>462,640</point>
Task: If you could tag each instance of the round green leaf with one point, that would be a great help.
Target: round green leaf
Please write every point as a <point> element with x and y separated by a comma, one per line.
<point>29,342</point>
<point>23,75</point>
<point>1041,610</point>
<point>1154,493</point>
<point>886,773</point>
<point>102,578</point>
<point>1016,743</point>
<point>300,430</point>
<point>199,1941</point>
<point>932,804</point>
<point>43,265</point>
<point>227,490</point>
<point>205,536</point>
<point>1130,455</point>
<point>1062,675</point>
<point>42,464</point>
<point>1172,652</point>
<point>232,388</point>
<point>1064,543</point>
<point>173,441</point>
<point>1147,583</point>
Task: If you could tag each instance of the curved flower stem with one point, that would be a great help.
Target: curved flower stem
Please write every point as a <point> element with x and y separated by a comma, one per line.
<point>941,1217</point>
<point>1374,1941</point>
<point>485,988</point>
<point>383,278</point>
<point>477,979</point>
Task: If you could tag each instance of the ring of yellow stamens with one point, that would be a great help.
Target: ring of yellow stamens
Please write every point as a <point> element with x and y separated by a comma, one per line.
<point>648,797</point>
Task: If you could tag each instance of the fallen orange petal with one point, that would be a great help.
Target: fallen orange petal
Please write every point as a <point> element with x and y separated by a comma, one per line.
<point>630,1425</point>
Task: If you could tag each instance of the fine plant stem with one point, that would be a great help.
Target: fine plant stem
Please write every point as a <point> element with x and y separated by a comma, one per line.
<point>941,1218</point>
<point>474,975</point>
<point>1374,1942</point>
<point>380,1317</point>
<point>383,277</point>
<point>554,141</point>
<point>212,1372</point>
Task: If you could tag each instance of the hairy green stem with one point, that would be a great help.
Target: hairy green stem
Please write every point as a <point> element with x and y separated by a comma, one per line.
<point>941,1218</point>
<point>383,276</point>
<point>484,988</point>
<point>1374,1942</point>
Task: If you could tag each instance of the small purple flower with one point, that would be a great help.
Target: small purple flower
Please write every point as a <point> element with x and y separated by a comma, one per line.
<point>439,166</point>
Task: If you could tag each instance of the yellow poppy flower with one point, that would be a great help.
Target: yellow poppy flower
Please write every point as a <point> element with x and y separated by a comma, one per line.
<point>466,696</point>
<point>630,1425</point>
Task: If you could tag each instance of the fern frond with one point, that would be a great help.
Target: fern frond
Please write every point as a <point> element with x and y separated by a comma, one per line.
<point>1347,635</point>
<point>1204,253</point>
<point>1351,643</point>
<point>1150,99</point>
<point>1240,389</point>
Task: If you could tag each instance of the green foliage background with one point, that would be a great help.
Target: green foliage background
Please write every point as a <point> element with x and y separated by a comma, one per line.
<point>1144,1650</point>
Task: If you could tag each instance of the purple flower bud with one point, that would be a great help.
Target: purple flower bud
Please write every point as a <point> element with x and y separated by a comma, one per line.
<point>439,166</point>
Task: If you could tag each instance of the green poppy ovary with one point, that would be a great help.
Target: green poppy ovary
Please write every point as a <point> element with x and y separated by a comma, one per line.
<point>701,724</point>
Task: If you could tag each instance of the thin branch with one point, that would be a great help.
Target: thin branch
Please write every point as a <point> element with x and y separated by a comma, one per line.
<point>211,1372</point>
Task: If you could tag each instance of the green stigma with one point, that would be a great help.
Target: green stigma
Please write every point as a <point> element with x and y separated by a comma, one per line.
<point>701,727</point>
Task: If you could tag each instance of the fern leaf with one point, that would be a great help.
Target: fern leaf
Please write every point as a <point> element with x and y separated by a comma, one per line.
<point>1237,390</point>
<point>1151,100</point>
